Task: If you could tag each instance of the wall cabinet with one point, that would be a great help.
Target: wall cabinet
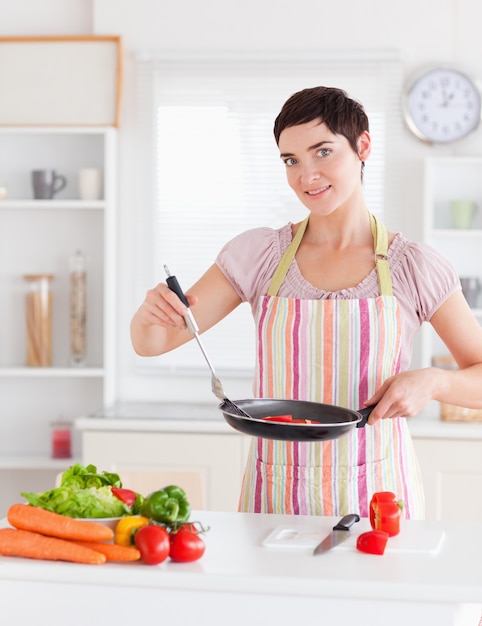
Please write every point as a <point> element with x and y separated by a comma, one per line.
<point>36,237</point>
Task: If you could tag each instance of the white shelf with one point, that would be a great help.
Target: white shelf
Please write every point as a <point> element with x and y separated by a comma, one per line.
<point>459,233</point>
<point>53,130</point>
<point>61,205</point>
<point>33,397</point>
<point>446,179</point>
<point>51,372</point>
<point>26,462</point>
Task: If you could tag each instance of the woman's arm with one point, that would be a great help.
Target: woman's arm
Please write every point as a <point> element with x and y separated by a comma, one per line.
<point>158,325</point>
<point>409,392</point>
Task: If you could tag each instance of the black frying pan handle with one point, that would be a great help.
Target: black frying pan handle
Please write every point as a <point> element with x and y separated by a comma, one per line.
<point>365,413</point>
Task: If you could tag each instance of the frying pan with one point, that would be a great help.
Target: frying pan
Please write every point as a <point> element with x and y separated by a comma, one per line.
<point>331,421</point>
<point>247,416</point>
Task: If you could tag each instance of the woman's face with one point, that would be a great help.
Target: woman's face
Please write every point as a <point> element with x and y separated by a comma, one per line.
<point>321,167</point>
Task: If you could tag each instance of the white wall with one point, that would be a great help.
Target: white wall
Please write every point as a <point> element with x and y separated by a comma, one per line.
<point>424,32</point>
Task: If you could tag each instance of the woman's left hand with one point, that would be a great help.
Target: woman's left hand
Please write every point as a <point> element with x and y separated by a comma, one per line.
<point>404,394</point>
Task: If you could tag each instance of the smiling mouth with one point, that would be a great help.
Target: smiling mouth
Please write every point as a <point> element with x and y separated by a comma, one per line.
<point>315,192</point>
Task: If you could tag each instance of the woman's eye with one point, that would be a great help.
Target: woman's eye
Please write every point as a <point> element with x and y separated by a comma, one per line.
<point>323,152</point>
<point>290,161</point>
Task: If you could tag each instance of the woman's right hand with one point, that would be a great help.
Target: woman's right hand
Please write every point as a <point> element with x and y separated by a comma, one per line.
<point>162,307</point>
<point>158,325</point>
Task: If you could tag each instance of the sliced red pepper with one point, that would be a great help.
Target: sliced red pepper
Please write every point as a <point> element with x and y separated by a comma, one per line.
<point>385,512</point>
<point>279,418</point>
<point>285,418</point>
<point>372,542</point>
<point>127,496</point>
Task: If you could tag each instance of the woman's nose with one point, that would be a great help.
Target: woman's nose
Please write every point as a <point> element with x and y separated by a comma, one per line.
<point>310,172</point>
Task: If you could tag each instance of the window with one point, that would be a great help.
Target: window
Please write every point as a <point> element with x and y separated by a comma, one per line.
<point>211,168</point>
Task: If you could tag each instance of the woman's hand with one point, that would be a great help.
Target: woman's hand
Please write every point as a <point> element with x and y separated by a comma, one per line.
<point>407,393</point>
<point>404,394</point>
<point>158,325</point>
<point>162,307</point>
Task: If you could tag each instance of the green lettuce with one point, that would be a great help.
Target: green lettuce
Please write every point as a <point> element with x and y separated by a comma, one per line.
<point>83,493</point>
<point>80,477</point>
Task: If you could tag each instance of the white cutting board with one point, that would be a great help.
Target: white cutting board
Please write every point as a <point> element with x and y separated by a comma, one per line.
<point>412,538</point>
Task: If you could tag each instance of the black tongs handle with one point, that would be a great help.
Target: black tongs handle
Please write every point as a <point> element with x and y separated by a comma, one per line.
<point>174,286</point>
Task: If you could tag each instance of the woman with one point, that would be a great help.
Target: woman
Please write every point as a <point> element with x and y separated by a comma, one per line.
<point>337,301</point>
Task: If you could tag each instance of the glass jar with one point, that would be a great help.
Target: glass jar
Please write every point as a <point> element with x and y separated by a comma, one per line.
<point>38,313</point>
<point>61,439</point>
<point>78,309</point>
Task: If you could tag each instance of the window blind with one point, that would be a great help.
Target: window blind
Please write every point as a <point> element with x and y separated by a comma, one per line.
<point>209,168</point>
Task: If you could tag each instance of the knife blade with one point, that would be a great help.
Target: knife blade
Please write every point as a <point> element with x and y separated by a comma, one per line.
<point>339,533</point>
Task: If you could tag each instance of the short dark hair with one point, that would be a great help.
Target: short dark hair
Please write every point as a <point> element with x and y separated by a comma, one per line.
<point>332,106</point>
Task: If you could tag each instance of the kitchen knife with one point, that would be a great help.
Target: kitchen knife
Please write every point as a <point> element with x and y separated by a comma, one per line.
<point>339,533</point>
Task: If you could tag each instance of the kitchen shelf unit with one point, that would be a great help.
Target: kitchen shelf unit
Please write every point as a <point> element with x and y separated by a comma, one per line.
<point>39,236</point>
<point>446,179</point>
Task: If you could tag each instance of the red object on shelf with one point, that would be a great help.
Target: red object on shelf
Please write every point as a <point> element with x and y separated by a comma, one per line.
<point>61,442</point>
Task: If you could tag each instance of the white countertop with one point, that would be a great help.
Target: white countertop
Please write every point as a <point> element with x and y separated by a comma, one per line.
<point>207,418</point>
<point>157,417</point>
<point>430,563</point>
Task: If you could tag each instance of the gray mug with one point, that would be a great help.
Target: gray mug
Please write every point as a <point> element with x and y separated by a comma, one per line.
<point>46,183</point>
<point>471,288</point>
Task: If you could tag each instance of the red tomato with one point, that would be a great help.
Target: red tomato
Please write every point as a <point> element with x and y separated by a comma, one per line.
<point>372,542</point>
<point>127,496</point>
<point>186,545</point>
<point>385,512</point>
<point>153,543</point>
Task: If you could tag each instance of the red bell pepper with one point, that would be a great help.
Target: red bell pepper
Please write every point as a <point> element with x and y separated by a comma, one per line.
<point>372,542</point>
<point>278,418</point>
<point>385,512</point>
<point>127,496</point>
<point>285,418</point>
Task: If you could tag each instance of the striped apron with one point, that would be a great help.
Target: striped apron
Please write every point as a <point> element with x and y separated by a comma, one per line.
<point>338,352</point>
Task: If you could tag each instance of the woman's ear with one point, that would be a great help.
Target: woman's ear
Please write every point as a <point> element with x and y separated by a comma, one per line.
<point>364,145</point>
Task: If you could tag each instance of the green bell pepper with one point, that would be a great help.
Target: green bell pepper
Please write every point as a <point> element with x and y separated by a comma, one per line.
<point>167,506</point>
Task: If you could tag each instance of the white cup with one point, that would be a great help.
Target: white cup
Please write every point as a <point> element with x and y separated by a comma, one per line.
<point>89,182</point>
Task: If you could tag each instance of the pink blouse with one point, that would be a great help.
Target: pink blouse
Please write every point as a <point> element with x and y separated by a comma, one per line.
<point>422,279</point>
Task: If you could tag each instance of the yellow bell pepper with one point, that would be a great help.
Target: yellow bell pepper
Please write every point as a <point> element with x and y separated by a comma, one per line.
<point>127,527</point>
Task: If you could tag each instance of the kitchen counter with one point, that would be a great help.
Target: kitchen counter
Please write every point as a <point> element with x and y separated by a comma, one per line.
<point>430,574</point>
<point>206,418</point>
<point>157,417</point>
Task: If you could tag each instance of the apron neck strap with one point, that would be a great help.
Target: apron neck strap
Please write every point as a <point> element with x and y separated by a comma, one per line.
<point>286,259</point>
<point>380,241</point>
<point>380,246</point>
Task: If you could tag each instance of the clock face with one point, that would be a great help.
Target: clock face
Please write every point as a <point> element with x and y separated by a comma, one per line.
<point>443,105</point>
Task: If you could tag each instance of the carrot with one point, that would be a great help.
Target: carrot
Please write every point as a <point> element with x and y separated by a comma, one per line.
<point>112,551</point>
<point>36,519</point>
<point>30,545</point>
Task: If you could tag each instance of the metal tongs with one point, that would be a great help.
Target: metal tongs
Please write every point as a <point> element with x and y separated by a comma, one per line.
<point>216,385</point>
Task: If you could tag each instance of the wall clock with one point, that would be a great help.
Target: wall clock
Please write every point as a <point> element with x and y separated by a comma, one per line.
<point>442,105</point>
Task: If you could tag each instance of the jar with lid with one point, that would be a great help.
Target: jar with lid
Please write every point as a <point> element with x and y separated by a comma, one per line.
<point>38,314</point>
<point>78,309</point>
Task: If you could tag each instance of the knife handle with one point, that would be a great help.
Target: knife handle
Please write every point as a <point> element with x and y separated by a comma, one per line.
<point>347,522</point>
